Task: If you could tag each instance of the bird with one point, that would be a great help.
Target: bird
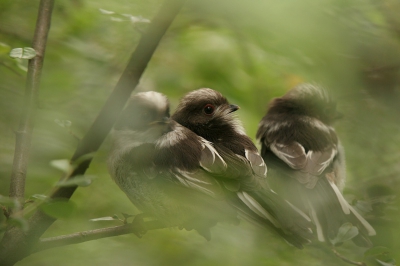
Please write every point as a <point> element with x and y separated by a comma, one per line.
<point>208,114</point>
<point>306,161</point>
<point>165,169</point>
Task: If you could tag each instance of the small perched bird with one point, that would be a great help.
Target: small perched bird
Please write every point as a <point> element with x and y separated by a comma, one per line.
<point>208,114</point>
<point>306,160</point>
<point>165,169</point>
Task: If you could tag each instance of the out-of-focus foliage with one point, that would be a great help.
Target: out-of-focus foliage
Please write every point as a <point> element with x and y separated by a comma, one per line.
<point>251,51</point>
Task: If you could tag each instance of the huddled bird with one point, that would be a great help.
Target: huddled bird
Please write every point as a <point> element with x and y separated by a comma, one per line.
<point>207,113</point>
<point>306,161</point>
<point>181,177</point>
<point>165,169</point>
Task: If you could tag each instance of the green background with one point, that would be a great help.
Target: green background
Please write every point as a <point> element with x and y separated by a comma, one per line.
<point>251,51</point>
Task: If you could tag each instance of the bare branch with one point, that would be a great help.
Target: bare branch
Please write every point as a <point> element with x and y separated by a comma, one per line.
<point>17,244</point>
<point>80,237</point>
<point>359,263</point>
<point>24,132</point>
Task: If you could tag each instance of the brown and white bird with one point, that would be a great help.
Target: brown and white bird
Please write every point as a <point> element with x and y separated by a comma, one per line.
<point>165,169</point>
<point>306,160</point>
<point>208,114</point>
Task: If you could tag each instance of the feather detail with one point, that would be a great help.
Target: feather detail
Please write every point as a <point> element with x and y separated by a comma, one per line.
<point>342,200</point>
<point>257,163</point>
<point>257,208</point>
<point>210,159</point>
<point>320,233</point>
<point>305,216</point>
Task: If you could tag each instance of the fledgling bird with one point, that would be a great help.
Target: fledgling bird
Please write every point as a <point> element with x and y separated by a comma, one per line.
<point>207,113</point>
<point>165,169</point>
<point>306,160</point>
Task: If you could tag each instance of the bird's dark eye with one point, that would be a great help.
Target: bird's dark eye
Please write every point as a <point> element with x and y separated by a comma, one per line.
<point>208,109</point>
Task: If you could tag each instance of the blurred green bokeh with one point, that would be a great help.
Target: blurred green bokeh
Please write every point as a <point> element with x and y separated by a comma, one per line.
<point>251,51</point>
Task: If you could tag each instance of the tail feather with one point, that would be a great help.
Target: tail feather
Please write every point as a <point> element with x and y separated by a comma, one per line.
<point>331,211</point>
<point>247,214</point>
<point>267,209</point>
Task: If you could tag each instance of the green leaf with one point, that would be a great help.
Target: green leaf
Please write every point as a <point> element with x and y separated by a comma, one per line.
<point>63,123</point>
<point>363,206</point>
<point>62,164</point>
<point>59,209</point>
<point>23,53</point>
<point>21,65</point>
<point>127,216</point>
<point>19,222</point>
<point>39,197</point>
<point>4,48</point>
<point>376,251</point>
<point>346,232</point>
<point>80,181</point>
<point>83,158</point>
<point>388,263</point>
<point>106,12</point>
<point>8,202</point>
<point>107,218</point>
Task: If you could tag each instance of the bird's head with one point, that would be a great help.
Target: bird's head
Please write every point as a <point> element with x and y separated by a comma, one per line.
<point>207,113</point>
<point>310,100</point>
<point>146,116</point>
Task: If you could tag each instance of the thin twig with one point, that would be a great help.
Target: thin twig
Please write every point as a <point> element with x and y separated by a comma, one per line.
<point>25,129</point>
<point>17,244</point>
<point>80,237</point>
<point>359,263</point>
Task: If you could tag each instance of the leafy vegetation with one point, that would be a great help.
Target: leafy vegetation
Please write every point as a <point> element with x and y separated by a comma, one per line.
<point>251,51</point>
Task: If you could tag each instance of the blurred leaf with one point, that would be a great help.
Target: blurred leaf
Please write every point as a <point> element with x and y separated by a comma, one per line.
<point>107,218</point>
<point>39,197</point>
<point>63,123</point>
<point>363,206</point>
<point>390,263</point>
<point>83,158</point>
<point>80,181</point>
<point>138,19</point>
<point>20,65</point>
<point>8,202</point>
<point>117,19</point>
<point>23,53</point>
<point>126,216</point>
<point>375,251</point>
<point>346,232</point>
<point>59,209</point>
<point>385,199</point>
<point>106,12</point>
<point>19,222</point>
<point>62,164</point>
<point>4,48</point>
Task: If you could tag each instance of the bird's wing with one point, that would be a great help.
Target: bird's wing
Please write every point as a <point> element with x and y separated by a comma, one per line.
<point>202,178</point>
<point>256,162</point>
<point>310,164</point>
<point>243,172</point>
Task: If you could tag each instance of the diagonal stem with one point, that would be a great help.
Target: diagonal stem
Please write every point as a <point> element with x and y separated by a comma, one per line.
<point>17,244</point>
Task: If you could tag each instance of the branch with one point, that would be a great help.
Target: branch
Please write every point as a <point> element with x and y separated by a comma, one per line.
<point>24,132</point>
<point>17,244</point>
<point>358,263</point>
<point>80,237</point>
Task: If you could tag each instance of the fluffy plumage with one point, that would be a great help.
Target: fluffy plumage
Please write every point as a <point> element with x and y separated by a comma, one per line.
<point>164,168</point>
<point>208,114</point>
<point>306,160</point>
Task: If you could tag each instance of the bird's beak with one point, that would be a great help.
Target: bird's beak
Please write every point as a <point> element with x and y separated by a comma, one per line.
<point>165,120</point>
<point>234,107</point>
